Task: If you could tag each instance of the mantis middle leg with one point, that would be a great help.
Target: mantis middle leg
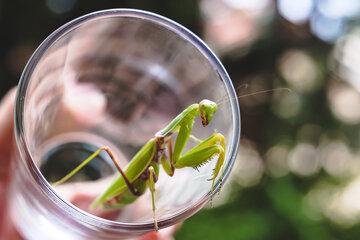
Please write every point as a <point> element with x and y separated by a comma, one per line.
<point>151,183</point>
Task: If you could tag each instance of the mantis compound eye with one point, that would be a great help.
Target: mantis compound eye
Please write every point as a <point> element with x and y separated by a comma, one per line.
<point>207,110</point>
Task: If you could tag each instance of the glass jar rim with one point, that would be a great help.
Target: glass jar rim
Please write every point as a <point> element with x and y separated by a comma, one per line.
<point>23,148</point>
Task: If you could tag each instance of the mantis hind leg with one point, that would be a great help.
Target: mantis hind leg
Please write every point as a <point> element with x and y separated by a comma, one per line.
<point>89,159</point>
<point>203,153</point>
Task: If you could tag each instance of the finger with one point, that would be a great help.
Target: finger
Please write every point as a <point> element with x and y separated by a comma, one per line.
<point>7,118</point>
<point>83,201</point>
<point>168,233</point>
<point>6,127</point>
<point>85,103</point>
<point>6,135</point>
<point>163,234</point>
<point>82,194</point>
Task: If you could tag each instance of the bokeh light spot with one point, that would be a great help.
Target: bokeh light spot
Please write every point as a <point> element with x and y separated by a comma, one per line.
<point>299,69</point>
<point>276,160</point>
<point>295,11</point>
<point>304,160</point>
<point>344,207</point>
<point>286,105</point>
<point>345,103</point>
<point>336,158</point>
<point>327,29</point>
<point>248,168</point>
<point>338,8</point>
<point>348,58</point>
<point>251,5</point>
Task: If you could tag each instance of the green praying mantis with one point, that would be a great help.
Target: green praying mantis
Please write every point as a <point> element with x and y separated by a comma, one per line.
<point>143,170</point>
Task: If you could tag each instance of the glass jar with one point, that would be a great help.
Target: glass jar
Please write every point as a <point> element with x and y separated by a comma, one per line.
<point>114,77</point>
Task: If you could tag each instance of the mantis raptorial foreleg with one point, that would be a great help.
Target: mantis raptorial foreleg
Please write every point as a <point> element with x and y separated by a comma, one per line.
<point>204,152</point>
<point>183,135</point>
<point>168,162</point>
<point>181,140</point>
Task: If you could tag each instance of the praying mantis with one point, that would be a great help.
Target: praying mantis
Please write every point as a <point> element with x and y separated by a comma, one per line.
<point>142,171</point>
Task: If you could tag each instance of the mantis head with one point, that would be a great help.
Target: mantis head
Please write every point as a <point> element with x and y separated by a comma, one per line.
<point>207,109</point>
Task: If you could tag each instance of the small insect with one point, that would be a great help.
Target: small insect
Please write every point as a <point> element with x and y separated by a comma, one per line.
<point>143,170</point>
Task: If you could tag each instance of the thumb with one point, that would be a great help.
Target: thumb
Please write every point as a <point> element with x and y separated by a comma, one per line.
<point>6,125</point>
<point>6,136</point>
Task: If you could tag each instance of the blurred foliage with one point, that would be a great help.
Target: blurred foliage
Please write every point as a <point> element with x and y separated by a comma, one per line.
<point>272,210</point>
<point>266,49</point>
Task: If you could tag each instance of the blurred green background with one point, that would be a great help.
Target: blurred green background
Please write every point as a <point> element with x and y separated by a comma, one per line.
<point>297,175</point>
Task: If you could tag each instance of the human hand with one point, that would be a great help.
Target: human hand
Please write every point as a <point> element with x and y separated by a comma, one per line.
<point>6,144</point>
<point>7,231</point>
